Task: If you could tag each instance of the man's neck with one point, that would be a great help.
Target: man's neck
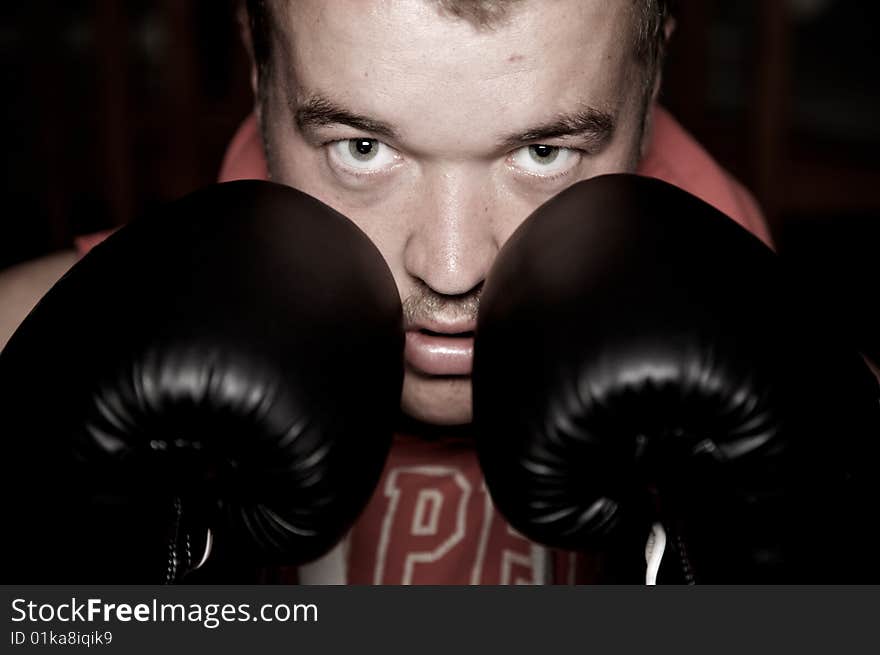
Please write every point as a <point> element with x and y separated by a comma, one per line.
<point>407,425</point>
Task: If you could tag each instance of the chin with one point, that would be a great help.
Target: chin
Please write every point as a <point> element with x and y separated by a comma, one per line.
<point>437,400</point>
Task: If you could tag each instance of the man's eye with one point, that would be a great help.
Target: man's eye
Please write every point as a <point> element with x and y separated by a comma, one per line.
<point>363,155</point>
<point>544,160</point>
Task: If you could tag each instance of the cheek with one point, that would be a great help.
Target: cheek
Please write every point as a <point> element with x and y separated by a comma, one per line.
<point>388,225</point>
<point>623,153</point>
<point>288,157</point>
<point>622,157</point>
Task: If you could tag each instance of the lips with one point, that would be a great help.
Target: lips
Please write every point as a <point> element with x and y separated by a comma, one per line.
<point>441,348</point>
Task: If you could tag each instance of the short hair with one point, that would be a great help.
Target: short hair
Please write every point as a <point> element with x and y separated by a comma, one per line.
<point>649,19</point>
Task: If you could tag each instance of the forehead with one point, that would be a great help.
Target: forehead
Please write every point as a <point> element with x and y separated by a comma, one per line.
<point>404,61</point>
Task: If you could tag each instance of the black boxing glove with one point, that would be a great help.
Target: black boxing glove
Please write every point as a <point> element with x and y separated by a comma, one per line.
<point>219,379</point>
<point>642,360</point>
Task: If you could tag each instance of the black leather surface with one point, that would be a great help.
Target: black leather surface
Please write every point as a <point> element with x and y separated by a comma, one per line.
<point>232,362</point>
<point>640,357</point>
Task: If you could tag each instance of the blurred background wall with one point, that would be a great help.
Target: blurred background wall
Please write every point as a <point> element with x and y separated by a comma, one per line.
<point>112,107</point>
<point>786,95</point>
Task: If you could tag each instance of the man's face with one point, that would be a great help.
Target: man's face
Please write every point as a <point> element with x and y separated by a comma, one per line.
<point>438,139</point>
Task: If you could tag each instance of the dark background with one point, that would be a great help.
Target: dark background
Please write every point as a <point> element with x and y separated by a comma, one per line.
<point>786,94</point>
<point>112,107</point>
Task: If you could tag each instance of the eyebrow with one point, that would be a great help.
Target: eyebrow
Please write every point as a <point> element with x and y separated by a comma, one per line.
<point>317,110</point>
<point>595,124</point>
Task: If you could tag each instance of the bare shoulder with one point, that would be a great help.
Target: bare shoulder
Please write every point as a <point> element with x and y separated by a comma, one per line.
<point>22,285</point>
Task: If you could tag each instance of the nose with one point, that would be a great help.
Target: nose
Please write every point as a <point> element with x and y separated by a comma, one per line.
<point>452,241</point>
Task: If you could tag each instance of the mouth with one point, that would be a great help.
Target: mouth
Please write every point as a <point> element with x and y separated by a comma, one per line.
<point>441,349</point>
